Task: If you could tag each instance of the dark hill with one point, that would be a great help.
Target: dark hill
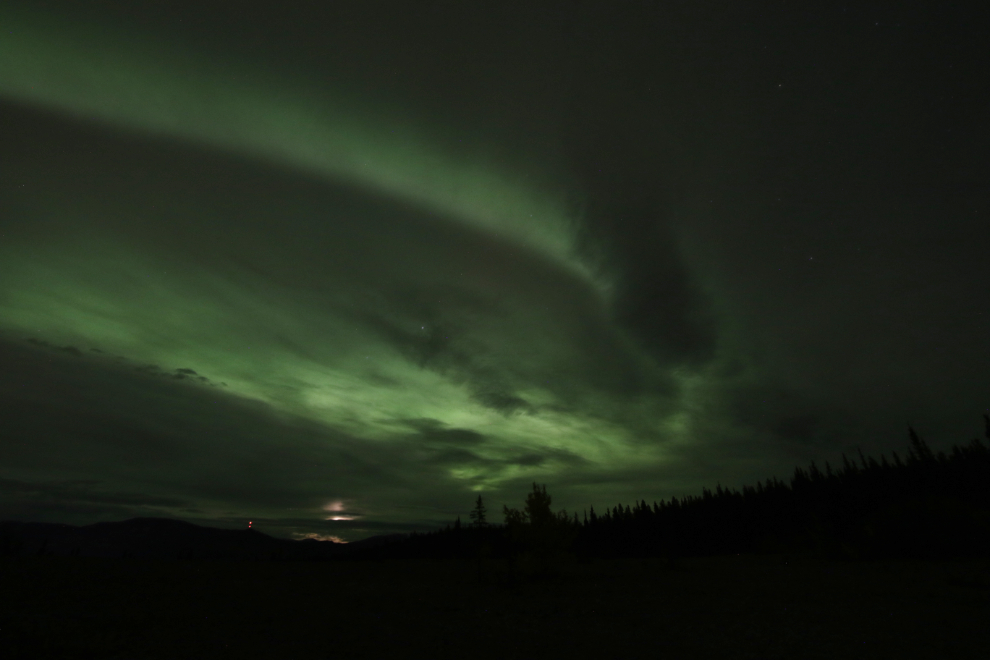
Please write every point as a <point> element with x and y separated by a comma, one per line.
<point>154,538</point>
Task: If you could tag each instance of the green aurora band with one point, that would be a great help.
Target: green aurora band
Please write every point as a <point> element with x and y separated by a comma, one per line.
<point>119,290</point>
<point>152,87</point>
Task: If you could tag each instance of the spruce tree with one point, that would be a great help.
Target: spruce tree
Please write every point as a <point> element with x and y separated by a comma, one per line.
<point>478,515</point>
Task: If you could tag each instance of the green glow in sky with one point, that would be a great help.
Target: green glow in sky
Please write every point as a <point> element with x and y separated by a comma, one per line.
<point>312,260</point>
<point>475,346</point>
<point>153,87</point>
<point>440,349</point>
<point>240,331</point>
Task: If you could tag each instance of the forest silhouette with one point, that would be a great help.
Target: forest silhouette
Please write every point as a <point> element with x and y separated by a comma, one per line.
<point>926,505</point>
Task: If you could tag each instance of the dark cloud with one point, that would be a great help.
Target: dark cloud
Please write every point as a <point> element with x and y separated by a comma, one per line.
<point>453,332</point>
<point>529,460</point>
<point>70,350</point>
<point>150,369</point>
<point>435,445</point>
<point>433,431</point>
<point>627,229</point>
<point>456,456</point>
<point>503,402</point>
<point>80,491</point>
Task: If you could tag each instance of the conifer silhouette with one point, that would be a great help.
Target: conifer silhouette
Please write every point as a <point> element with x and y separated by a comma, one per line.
<point>542,537</point>
<point>478,514</point>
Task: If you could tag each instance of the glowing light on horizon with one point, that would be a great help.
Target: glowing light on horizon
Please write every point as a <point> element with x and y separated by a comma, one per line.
<point>319,537</point>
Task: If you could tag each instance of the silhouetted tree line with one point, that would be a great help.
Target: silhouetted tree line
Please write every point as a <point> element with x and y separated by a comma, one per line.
<point>926,505</point>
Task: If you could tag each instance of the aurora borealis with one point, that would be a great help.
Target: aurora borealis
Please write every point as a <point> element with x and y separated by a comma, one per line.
<point>337,269</point>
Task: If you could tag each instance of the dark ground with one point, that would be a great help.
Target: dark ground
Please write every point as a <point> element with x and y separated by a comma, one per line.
<point>728,607</point>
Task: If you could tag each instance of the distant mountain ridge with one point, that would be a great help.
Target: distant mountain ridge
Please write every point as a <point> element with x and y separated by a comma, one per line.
<point>163,538</point>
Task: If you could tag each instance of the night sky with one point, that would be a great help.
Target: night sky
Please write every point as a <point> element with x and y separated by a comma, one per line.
<point>339,267</point>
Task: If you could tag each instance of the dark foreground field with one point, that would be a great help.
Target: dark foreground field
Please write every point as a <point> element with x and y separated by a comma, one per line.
<point>730,607</point>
